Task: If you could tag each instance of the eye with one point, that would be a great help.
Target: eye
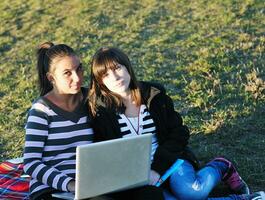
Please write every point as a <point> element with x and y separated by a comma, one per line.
<point>118,67</point>
<point>105,75</point>
<point>67,73</point>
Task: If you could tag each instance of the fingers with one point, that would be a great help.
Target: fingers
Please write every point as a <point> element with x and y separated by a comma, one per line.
<point>154,177</point>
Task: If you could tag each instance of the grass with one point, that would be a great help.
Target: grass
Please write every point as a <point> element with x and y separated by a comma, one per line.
<point>209,54</point>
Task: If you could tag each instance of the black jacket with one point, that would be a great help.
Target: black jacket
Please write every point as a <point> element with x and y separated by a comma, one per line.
<point>172,135</point>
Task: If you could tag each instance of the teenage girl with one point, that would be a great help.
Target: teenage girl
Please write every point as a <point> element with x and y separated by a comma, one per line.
<point>120,106</point>
<point>57,122</point>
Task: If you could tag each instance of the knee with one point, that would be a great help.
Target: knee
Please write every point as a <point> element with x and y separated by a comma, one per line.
<point>187,191</point>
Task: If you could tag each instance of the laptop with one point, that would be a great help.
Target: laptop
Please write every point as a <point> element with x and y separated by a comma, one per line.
<point>111,166</point>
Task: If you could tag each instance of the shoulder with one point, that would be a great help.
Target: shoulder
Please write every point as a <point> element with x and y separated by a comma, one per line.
<point>37,116</point>
<point>147,86</point>
<point>40,104</point>
<point>40,108</point>
<point>151,89</point>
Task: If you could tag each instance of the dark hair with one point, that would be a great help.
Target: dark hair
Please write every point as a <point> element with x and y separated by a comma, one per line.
<point>107,58</point>
<point>46,53</point>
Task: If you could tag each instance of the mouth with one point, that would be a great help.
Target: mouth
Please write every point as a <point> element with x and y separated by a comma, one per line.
<point>119,84</point>
<point>75,86</point>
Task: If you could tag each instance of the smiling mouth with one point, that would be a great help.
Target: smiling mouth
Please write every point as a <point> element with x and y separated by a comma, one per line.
<point>76,86</point>
<point>119,84</point>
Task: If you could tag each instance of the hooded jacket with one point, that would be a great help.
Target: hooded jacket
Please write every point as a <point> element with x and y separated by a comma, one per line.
<point>172,135</point>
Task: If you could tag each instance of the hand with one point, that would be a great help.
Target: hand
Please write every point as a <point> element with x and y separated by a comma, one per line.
<point>71,186</point>
<point>154,177</point>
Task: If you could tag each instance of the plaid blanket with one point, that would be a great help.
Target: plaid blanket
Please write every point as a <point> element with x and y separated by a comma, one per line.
<point>13,185</point>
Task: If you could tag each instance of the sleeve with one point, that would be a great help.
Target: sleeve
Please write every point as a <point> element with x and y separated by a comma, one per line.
<point>36,136</point>
<point>174,137</point>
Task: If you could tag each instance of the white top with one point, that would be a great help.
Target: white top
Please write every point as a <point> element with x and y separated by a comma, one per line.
<point>132,126</point>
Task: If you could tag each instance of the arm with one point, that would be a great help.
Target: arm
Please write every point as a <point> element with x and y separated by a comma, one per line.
<point>36,136</point>
<point>173,136</point>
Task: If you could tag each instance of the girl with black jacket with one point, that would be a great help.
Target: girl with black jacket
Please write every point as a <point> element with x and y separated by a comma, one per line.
<point>120,106</point>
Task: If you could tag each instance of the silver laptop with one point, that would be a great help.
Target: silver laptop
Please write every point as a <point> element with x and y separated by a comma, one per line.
<point>111,166</point>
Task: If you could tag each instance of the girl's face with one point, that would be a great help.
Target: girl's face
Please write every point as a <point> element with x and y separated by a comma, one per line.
<point>117,80</point>
<point>66,75</point>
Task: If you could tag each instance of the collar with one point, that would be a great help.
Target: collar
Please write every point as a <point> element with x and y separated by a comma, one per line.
<point>149,91</point>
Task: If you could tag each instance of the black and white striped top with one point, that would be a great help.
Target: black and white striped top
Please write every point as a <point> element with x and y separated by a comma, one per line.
<point>143,123</point>
<point>52,136</point>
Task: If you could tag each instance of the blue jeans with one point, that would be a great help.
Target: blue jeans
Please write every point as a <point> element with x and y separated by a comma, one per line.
<point>188,184</point>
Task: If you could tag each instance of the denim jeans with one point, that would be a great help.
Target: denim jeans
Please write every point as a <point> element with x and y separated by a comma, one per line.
<point>188,184</point>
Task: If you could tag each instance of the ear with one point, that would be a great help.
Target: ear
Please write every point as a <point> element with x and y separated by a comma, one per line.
<point>49,77</point>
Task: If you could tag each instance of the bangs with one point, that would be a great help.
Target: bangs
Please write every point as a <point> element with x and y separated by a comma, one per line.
<point>103,67</point>
<point>105,60</point>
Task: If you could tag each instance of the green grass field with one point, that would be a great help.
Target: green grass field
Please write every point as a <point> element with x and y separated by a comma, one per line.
<point>210,55</point>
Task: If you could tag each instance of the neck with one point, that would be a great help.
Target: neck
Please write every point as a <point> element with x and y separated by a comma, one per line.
<point>132,110</point>
<point>127,97</point>
<point>65,101</point>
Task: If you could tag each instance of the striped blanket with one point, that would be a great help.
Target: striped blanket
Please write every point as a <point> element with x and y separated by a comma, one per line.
<point>13,185</point>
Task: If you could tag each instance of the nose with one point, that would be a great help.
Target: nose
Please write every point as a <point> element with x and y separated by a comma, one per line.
<point>114,76</point>
<point>76,77</point>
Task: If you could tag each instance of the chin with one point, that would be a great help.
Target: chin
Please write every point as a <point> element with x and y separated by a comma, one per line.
<point>74,91</point>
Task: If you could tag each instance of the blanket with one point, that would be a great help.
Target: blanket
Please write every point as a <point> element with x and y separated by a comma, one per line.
<point>13,184</point>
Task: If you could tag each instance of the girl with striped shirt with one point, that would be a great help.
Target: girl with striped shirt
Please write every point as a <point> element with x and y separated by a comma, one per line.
<point>121,106</point>
<point>57,122</point>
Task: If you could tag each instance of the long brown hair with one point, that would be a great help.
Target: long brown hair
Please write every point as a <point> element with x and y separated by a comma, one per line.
<point>107,58</point>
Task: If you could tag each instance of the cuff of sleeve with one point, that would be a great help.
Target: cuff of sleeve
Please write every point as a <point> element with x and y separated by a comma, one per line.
<point>65,183</point>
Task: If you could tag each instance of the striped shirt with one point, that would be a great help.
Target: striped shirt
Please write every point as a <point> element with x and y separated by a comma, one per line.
<point>52,136</point>
<point>139,125</point>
